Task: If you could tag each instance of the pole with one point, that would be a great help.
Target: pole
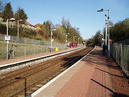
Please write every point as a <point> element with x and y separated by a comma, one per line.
<point>108,32</point>
<point>25,88</point>
<point>18,24</point>
<point>7,27</point>
<point>51,41</point>
<point>66,38</point>
<point>7,41</point>
<point>18,29</point>
<point>74,38</point>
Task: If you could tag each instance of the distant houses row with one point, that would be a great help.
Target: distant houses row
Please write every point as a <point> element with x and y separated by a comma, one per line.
<point>23,24</point>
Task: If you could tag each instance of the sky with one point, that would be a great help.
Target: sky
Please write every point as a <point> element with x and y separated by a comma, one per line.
<point>82,14</point>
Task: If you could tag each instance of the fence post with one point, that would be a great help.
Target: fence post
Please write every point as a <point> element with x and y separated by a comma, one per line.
<point>121,57</point>
<point>25,50</point>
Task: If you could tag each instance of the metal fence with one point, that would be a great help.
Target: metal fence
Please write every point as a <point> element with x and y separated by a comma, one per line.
<point>25,46</point>
<point>120,53</point>
<point>15,39</point>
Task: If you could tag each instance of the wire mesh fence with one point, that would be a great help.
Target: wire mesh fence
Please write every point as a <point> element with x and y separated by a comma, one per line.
<point>120,53</point>
<point>15,39</point>
<point>25,47</point>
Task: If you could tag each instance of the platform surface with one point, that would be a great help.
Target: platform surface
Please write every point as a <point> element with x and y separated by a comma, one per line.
<point>87,78</point>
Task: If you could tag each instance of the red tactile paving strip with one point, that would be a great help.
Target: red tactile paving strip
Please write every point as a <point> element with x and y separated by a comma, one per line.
<point>89,80</point>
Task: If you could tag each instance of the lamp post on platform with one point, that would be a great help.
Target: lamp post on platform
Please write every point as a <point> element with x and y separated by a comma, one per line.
<point>107,34</point>
<point>7,37</point>
<point>52,29</point>
<point>18,28</point>
<point>66,38</point>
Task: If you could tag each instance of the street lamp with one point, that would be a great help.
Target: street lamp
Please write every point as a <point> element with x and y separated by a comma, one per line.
<point>18,78</point>
<point>107,34</point>
<point>7,37</point>
<point>66,37</point>
<point>18,23</point>
<point>74,38</point>
<point>52,29</point>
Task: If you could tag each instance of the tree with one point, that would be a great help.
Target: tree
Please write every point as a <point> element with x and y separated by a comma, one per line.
<point>47,26</point>
<point>89,42</point>
<point>1,7</point>
<point>59,33</point>
<point>72,31</point>
<point>95,40</point>
<point>20,14</point>
<point>65,23</point>
<point>120,31</point>
<point>7,12</point>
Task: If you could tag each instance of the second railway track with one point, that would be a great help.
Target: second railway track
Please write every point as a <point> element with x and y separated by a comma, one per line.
<point>36,75</point>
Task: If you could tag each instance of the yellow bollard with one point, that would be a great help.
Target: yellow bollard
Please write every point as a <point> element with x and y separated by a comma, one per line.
<point>56,49</point>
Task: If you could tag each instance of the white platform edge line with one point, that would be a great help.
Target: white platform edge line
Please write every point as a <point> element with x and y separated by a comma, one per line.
<point>36,58</point>
<point>58,76</point>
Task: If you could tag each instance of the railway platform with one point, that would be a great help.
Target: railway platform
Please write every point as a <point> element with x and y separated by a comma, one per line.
<point>4,62</point>
<point>89,77</point>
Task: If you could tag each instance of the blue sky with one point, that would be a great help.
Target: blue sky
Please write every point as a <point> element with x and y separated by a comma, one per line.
<point>81,13</point>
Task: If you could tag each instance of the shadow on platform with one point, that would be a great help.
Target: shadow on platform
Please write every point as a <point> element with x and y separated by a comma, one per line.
<point>114,94</point>
<point>111,73</point>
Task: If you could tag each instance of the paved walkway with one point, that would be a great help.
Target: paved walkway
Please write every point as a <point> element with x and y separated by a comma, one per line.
<point>87,78</point>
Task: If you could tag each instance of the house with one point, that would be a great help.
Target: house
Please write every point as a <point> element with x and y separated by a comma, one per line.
<point>14,23</point>
<point>28,25</point>
<point>38,27</point>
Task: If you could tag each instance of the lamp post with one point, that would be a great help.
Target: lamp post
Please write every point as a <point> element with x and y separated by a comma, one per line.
<point>107,34</point>
<point>52,29</point>
<point>51,41</point>
<point>18,78</point>
<point>7,37</point>
<point>66,37</point>
<point>74,38</point>
<point>18,28</point>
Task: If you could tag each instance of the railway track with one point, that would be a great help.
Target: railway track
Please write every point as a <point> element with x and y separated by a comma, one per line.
<point>6,68</point>
<point>33,77</point>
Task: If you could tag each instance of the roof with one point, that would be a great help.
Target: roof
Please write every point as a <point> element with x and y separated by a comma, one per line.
<point>27,23</point>
<point>38,25</point>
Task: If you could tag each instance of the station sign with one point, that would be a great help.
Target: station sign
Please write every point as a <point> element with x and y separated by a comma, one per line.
<point>7,38</point>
